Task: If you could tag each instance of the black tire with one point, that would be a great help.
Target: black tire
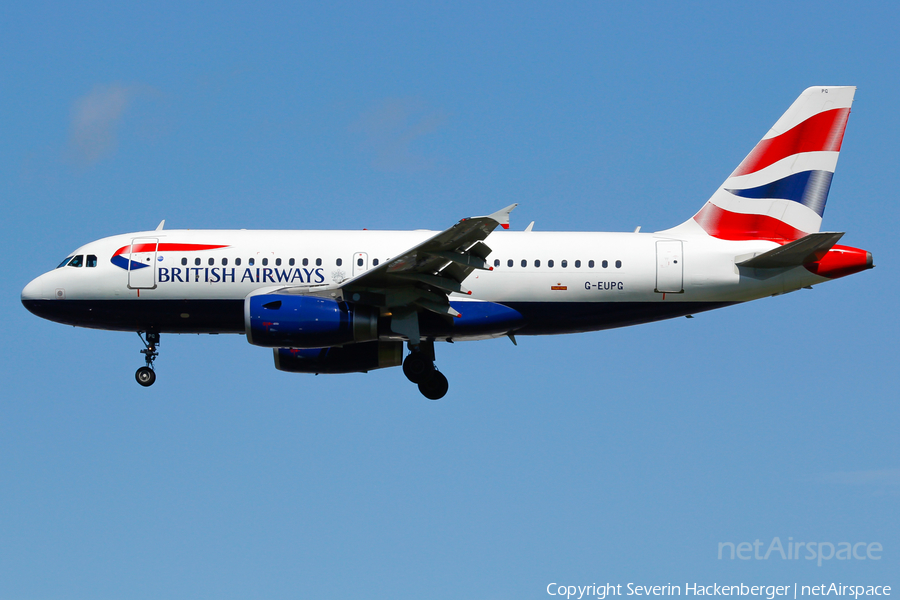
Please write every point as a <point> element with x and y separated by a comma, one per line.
<point>435,387</point>
<point>417,367</point>
<point>145,376</point>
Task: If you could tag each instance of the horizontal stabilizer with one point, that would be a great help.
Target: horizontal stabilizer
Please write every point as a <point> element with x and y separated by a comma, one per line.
<point>806,250</point>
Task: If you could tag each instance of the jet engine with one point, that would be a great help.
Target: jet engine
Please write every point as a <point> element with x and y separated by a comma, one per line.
<point>352,358</point>
<point>289,321</point>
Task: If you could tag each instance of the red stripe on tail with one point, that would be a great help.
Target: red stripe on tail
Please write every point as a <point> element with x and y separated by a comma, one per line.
<point>819,133</point>
<point>727,225</point>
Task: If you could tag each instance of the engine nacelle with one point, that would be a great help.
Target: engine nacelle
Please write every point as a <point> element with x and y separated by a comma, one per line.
<point>288,321</point>
<point>352,358</point>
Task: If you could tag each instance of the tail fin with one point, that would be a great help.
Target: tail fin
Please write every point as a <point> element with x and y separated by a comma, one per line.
<point>779,191</point>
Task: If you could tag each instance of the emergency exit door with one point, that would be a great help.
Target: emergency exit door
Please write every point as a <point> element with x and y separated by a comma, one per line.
<point>142,264</point>
<point>669,267</point>
<point>360,263</point>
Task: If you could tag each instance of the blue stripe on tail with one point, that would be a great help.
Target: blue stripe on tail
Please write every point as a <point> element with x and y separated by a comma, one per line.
<point>809,188</point>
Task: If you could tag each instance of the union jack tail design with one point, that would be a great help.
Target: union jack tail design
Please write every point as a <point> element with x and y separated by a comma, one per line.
<point>779,191</point>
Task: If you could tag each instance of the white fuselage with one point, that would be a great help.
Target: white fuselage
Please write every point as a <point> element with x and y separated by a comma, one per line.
<point>552,269</point>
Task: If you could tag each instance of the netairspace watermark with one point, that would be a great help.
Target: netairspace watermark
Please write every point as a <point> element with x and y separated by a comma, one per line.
<point>770,592</point>
<point>793,550</point>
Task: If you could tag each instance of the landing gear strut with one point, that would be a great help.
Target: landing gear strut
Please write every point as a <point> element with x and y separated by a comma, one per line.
<point>146,375</point>
<point>419,368</point>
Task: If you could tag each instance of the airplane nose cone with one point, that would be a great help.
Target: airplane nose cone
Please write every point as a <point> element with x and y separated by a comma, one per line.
<point>33,291</point>
<point>44,297</point>
<point>35,296</point>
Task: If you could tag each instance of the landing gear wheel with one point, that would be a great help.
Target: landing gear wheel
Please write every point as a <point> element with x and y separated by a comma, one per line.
<point>145,376</point>
<point>417,367</point>
<point>435,387</point>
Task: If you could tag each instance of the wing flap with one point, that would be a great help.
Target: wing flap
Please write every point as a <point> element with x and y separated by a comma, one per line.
<point>448,284</point>
<point>464,260</point>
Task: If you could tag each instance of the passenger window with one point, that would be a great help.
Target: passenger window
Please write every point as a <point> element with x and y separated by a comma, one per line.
<point>509,263</point>
<point>224,261</point>
<point>359,262</point>
<point>318,262</point>
<point>524,263</point>
<point>564,264</point>
<point>577,264</point>
<point>604,264</point>
<point>91,260</point>
<point>618,264</point>
<point>339,262</point>
<point>277,262</point>
<point>374,262</point>
<point>550,263</point>
<point>590,264</point>
<point>65,262</point>
<point>237,262</point>
<point>212,261</point>
<point>265,262</point>
<point>251,261</point>
<point>537,263</point>
<point>291,262</point>
<point>77,261</point>
<point>305,261</point>
<point>183,261</point>
<point>496,262</point>
<point>197,261</point>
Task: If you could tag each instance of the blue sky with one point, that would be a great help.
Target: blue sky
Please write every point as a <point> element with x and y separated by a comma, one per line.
<point>620,456</point>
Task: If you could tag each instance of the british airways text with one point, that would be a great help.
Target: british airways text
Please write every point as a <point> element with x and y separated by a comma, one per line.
<point>235,275</point>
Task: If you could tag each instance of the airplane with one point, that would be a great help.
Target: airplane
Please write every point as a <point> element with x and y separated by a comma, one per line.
<point>348,301</point>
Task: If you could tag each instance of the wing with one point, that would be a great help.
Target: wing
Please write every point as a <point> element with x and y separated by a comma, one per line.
<point>422,277</point>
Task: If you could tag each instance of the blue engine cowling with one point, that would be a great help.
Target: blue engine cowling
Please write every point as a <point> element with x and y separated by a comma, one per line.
<point>352,358</point>
<point>282,320</point>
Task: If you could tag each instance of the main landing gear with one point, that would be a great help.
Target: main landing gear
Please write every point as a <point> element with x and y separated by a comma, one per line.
<point>419,368</point>
<point>146,375</point>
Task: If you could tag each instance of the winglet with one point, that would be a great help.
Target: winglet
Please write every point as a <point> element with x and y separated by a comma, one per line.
<point>161,225</point>
<point>502,215</point>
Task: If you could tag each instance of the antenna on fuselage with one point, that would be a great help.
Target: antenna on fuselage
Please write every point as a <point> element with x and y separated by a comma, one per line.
<point>161,224</point>
<point>530,226</point>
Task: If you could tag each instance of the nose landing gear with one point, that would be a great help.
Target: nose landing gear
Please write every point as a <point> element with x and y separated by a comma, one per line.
<point>146,376</point>
<point>419,368</point>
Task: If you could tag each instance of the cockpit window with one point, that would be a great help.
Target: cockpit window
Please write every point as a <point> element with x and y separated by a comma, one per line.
<point>77,261</point>
<point>65,262</point>
<point>91,261</point>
